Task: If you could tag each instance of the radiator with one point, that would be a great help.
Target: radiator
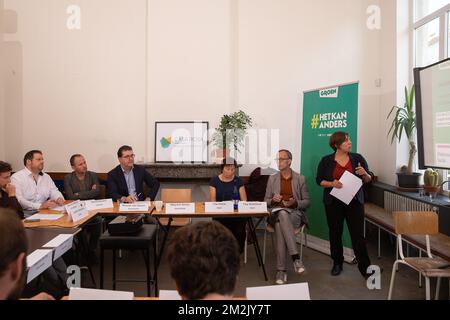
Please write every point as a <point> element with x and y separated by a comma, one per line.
<point>395,202</point>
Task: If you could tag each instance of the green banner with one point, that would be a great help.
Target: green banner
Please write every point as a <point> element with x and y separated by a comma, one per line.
<point>325,111</point>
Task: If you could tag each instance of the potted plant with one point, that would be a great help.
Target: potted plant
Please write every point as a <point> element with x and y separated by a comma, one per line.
<point>431,181</point>
<point>231,131</point>
<point>404,121</point>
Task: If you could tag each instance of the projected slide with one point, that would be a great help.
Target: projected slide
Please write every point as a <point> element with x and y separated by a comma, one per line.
<point>434,108</point>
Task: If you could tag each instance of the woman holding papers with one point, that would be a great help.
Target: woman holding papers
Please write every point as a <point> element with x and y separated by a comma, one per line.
<point>227,187</point>
<point>330,170</point>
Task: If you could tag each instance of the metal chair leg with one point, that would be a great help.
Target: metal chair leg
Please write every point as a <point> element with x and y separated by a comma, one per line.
<point>101,268</point>
<point>438,288</point>
<point>245,250</point>
<point>147,267</point>
<point>427,288</point>
<point>264,246</point>
<point>391,285</point>
<point>114,269</point>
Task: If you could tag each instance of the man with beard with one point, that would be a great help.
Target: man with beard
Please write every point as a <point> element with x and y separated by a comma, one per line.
<point>13,252</point>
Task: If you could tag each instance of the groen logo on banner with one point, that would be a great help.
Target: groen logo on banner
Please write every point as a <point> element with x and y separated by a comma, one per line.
<point>329,93</point>
<point>334,120</point>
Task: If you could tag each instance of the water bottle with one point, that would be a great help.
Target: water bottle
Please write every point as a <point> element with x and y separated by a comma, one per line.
<point>235,198</point>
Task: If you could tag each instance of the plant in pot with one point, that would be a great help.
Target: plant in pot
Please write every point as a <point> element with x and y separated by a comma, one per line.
<point>431,182</point>
<point>404,121</point>
<point>231,132</point>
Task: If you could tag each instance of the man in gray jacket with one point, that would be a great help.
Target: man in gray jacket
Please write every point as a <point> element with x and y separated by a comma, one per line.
<point>287,196</point>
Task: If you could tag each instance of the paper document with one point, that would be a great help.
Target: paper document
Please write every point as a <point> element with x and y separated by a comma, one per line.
<point>94,294</point>
<point>350,186</point>
<point>297,291</point>
<point>51,217</point>
<point>60,209</point>
<point>169,295</point>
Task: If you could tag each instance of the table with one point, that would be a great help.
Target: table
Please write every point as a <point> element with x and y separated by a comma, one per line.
<point>200,213</point>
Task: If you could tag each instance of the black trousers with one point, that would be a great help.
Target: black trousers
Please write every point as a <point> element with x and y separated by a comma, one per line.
<point>353,213</point>
<point>237,228</point>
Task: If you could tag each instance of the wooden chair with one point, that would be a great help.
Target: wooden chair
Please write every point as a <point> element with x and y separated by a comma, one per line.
<point>176,196</point>
<point>419,223</point>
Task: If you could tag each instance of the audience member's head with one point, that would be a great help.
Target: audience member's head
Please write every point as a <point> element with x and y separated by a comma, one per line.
<point>13,249</point>
<point>5,174</point>
<point>78,163</point>
<point>204,261</point>
<point>34,161</point>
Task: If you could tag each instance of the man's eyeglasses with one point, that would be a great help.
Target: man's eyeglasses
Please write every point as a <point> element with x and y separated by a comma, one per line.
<point>129,156</point>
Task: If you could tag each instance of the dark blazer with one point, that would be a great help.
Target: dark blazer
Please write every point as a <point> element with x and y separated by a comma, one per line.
<point>117,186</point>
<point>325,172</point>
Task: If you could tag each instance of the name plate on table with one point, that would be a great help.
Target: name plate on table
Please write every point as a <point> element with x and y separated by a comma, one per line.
<point>252,207</point>
<point>99,204</point>
<point>219,207</point>
<point>38,261</point>
<point>77,210</point>
<point>60,244</point>
<point>174,208</point>
<point>134,207</point>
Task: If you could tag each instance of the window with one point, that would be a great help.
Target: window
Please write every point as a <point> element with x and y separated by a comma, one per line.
<point>427,44</point>
<point>432,39</point>
<point>425,7</point>
<point>448,34</point>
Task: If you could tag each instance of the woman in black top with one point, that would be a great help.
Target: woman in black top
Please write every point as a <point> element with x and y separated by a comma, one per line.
<point>329,171</point>
<point>221,188</point>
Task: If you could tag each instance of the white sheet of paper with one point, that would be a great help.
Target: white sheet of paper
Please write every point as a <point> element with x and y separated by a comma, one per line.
<point>134,207</point>
<point>219,207</point>
<point>60,209</point>
<point>350,186</point>
<point>252,207</point>
<point>296,291</point>
<point>174,208</point>
<point>95,294</point>
<point>61,244</point>
<point>77,210</point>
<point>49,217</point>
<point>38,261</point>
<point>99,204</point>
<point>169,295</point>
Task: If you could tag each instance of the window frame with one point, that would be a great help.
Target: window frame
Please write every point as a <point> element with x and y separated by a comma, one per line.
<point>443,15</point>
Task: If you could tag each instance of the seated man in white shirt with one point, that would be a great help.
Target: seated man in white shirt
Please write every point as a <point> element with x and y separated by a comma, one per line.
<point>35,190</point>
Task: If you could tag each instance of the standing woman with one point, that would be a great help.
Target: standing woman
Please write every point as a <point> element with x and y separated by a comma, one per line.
<point>226,187</point>
<point>329,171</point>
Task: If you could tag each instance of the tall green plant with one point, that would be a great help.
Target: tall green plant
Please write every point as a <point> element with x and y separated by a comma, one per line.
<point>232,130</point>
<point>404,120</point>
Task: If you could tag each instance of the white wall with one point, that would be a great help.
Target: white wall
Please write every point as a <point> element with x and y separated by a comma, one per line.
<point>77,91</point>
<point>134,63</point>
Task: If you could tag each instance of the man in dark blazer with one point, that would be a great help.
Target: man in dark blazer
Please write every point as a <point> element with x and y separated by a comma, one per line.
<point>126,181</point>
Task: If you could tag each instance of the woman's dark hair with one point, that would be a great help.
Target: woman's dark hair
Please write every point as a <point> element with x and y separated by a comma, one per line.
<point>227,162</point>
<point>337,139</point>
<point>204,259</point>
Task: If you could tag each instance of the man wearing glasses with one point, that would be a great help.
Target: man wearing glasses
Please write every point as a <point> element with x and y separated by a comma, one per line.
<point>287,196</point>
<point>126,181</point>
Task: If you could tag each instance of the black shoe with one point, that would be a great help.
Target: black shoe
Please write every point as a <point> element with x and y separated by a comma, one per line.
<point>337,269</point>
